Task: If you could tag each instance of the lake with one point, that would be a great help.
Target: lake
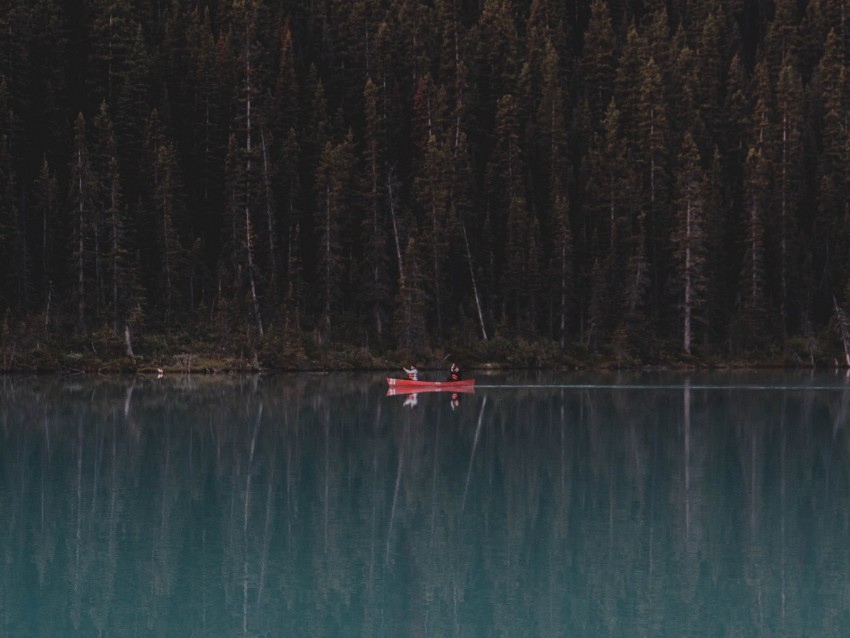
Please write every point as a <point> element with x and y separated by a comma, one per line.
<point>548,504</point>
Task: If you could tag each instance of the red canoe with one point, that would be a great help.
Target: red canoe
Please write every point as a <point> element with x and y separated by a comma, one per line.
<point>408,386</point>
<point>398,390</point>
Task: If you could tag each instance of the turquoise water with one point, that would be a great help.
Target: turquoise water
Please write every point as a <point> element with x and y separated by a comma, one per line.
<point>314,505</point>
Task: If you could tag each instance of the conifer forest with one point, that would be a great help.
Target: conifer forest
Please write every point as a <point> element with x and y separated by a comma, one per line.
<point>622,180</point>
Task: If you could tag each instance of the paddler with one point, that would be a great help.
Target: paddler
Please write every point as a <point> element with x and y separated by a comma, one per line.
<point>412,372</point>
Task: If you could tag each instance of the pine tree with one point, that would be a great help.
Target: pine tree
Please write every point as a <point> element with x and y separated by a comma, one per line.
<point>431,194</point>
<point>548,23</point>
<point>738,108</point>
<point>598,61</point>
<point>454,67</point>
<point>789,183</point>
<point>684,110</point>
<point>45,206</point>
<point>168,210</point>
<point>781,41</point>
<point>113,32</point>
<point>653,159</point>
<point>429,200</point>
<point>561,267</point>
<point>752,307</point>
<point>207,130</point>
<point>348,31</point>
<point>373,225</point>
<point>555,228</point>
<point>285,94</point>
<point>83,191</point>
<point>13,256</point>
<point>332,189</point>
<point>510,215</point>
<point>595,218</point>
<point>659,42</point>
<point>627,83</point>
<point>111,218</point>
<point>689,240</point>
<point>637,282</point>
<point>551,127</point>
<point>721,284</point>
<point>408,319</point>
<point>462,209</point>
<point>249,156</point>
<point>289,201</point>
<point>830,233</point>
<point>711,70</point>
<point>240,233</point>
<point>133,105</point>
<point>814,29</point>
<point>497,64</point>
<point>15,36</point>
<point>49,57</point>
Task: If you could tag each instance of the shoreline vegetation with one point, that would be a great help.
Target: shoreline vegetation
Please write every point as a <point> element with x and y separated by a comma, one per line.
<point>105,353</point>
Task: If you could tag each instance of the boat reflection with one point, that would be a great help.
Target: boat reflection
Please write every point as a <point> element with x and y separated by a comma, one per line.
<point>412,398</point>
<point>393,392</point>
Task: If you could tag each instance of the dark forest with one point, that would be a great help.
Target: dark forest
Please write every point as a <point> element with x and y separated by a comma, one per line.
<point>334,182</point>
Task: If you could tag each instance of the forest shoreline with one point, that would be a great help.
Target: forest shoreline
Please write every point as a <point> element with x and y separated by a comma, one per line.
<point>158,355</point>
<point>635,183</point>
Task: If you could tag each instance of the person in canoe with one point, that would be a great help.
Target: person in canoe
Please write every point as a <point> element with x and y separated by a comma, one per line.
<point>412,372</point>
<point>454,373</point>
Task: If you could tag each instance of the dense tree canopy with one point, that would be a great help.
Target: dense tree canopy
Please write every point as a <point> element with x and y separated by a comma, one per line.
<point>631,178</point>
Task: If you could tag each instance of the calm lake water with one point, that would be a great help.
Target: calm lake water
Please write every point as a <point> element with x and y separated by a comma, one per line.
<point>315,505</point>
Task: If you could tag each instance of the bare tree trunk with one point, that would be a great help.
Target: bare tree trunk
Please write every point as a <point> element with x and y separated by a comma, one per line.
<point>328,258</point>
<point>562,339</point>
<point>686,339</point>
<point>115,260</point>
<point>128,347</point>
<point>687,453</point>
<point>436,257</point>
<point>81,302</point>
<point>395,228</point>
<point>249,247</point>
<point>783,230</point>
<point>269,208</point>
<point>47,308</point>
<point>248,239</point>
<point>474,285</point>
<point>843,329</point>
<point>376,274</point>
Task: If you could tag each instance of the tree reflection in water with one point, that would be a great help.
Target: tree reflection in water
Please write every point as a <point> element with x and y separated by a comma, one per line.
<point>313,505</point>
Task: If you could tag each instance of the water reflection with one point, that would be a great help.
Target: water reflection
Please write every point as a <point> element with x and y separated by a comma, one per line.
<point>541,505</point>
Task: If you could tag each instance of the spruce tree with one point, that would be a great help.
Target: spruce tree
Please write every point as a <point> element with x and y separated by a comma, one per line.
<point>374,223</point>
<point>598,61</point>
<point>113,236</point>
<point>332,211</point>
<point>789,164</point>
<point>81,199</point>
<point>830,233</point>
<point>431,195</point>
<point>113,33</point>
<point>689,241</point>
<point>408,319</point>
<point>45,206</point>
<point>653,162</point>
<point>13,254</point>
